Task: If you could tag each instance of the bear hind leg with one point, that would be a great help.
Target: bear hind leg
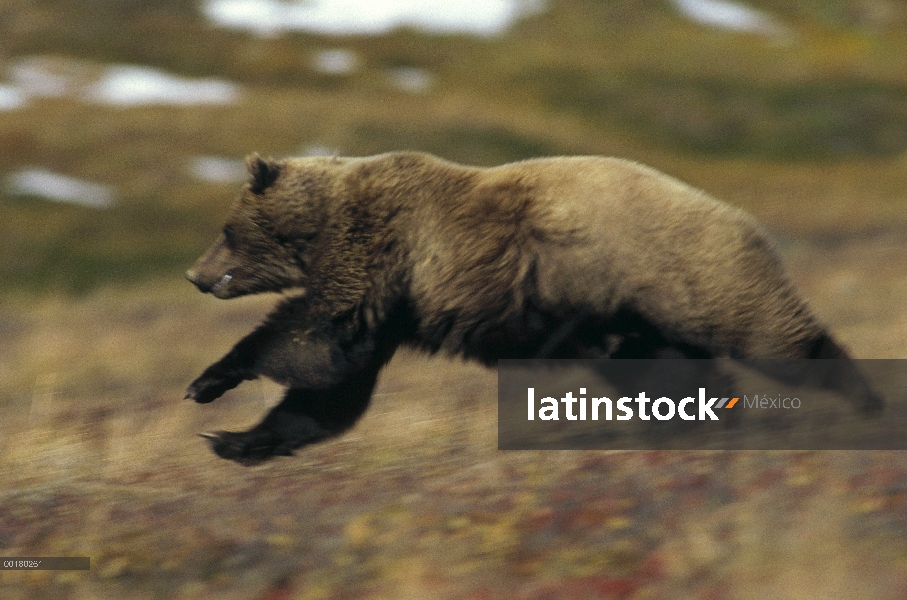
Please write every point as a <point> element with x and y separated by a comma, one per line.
<point>303,417</point>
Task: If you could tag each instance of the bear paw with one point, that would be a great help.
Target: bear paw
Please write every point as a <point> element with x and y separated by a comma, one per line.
<point>247,447</point>
<point>211,385</point>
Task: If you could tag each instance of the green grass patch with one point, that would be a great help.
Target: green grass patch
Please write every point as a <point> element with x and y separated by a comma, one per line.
<point>731,112</point>
<point>56,248</point>
<point>736,117</point>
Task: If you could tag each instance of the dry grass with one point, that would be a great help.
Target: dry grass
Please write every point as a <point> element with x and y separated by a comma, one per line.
<point>99,457</point>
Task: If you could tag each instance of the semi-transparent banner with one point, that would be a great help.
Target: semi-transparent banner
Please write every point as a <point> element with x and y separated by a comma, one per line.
<point>703,404</point>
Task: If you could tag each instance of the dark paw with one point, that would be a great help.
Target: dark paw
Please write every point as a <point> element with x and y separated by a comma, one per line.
<point>211,386</point>
<point>247,447</point>
<point>873,405</point>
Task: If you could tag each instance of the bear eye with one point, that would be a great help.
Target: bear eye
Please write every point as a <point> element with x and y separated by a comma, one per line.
<point>230,236</point>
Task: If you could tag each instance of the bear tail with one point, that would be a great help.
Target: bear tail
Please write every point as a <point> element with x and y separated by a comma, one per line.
<point>824,346</point>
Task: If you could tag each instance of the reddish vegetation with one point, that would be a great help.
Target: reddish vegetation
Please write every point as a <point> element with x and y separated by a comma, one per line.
<point>102,460</point>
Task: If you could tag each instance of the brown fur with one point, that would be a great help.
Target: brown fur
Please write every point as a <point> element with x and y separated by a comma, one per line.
<point>561,257</point>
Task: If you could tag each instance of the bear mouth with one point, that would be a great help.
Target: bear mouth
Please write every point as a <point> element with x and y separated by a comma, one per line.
<point>222,282</point>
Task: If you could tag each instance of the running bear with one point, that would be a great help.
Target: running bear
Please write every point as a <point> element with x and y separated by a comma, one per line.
<point>570,257</point>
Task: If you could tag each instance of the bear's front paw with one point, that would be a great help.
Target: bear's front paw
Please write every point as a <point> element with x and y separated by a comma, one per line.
<point>211,385</point>
<point>247,447</point>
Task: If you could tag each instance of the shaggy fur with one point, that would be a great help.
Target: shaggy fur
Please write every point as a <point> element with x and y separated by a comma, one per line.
<point>560,257</point>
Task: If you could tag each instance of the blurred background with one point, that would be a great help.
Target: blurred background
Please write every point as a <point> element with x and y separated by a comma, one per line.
<point>123,125</point>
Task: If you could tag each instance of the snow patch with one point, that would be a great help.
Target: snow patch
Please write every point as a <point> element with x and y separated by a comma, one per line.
<point>125,85</point>
<point>60,188</point>
<point>117,85</point>
<point>216,169</point>
<point>11,97</point>
<point>724,14</point>
<point>349,17</point>
<point>336,62</point>
<point>411,79</point>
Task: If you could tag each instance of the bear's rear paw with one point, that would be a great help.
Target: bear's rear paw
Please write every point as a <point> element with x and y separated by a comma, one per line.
<point>873,405</point>
<point>247,447</point>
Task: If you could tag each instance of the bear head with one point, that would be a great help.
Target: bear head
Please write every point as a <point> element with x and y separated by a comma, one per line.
<point>271,233</point>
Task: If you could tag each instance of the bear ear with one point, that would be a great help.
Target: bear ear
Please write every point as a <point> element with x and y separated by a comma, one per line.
<point>262,173</point>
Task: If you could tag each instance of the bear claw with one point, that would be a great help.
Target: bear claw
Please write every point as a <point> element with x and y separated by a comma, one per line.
<point>210,386</point>
<point>247,448</point>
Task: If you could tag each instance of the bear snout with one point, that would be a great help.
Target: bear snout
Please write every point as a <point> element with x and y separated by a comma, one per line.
<point>193,276</point>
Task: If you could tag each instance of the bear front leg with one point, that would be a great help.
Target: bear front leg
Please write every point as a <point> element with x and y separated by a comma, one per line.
<point>303,417</point>
<point>274,349</point>
<point>212,384</point>
<point>236,366</point>
<point>225,374</point>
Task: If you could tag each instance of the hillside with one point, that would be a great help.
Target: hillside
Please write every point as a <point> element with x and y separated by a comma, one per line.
<point>122,130</point>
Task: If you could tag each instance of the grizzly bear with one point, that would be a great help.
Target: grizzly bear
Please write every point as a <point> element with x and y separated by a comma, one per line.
<point>570,257</point>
